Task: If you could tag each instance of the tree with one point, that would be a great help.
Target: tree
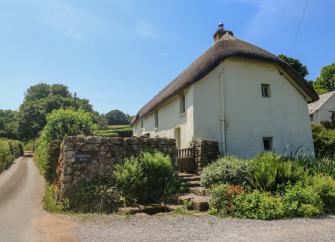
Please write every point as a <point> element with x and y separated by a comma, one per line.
<point>37,92</point>
<point>8,124</point>
<point>60,90</point>
<point>300,68</point>
<point>326,80</point>
<point>117,117</point>
<point>40,100</point>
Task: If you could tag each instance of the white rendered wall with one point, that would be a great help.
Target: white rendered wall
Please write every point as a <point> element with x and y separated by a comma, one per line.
<point>324,114</point>
<point>248,116</point>
<point>169,118</point>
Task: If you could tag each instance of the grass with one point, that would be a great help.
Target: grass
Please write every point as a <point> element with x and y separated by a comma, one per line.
<point>183,211</point>
<point>50,202</point>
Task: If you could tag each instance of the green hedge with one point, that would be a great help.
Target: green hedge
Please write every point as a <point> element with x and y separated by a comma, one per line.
<point>60,123</point>
<point>9,151</point>
<point>116,131</point>
<point>324,141</point>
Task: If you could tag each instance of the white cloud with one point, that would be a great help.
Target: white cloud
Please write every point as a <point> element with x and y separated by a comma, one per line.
<point>146,30</point>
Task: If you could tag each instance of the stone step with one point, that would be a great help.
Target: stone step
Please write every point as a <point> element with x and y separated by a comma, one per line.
<point>185,174</point>
<point>150,209</point>
<point>200,191</point>
<point>191,178</point>
<point>195,202</point>
<point>193,183</point>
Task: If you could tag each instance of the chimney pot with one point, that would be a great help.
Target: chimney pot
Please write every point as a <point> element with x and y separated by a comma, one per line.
<point>220,32</point>
<point>220,26</point>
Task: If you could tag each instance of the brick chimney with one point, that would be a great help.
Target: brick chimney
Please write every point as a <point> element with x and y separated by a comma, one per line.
<point>220,32</point>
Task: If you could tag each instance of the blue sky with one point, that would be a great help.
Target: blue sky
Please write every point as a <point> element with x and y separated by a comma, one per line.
<point>119,53</point>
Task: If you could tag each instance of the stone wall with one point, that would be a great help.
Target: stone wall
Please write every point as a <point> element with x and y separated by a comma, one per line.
<point>88,157</point>
<point>206,152</point>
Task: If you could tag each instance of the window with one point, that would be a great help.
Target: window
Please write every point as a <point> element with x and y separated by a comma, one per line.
<point>332,117</point>
<point>267,143</point>
<point>142,123</point>
<point>156,119</point>
<point>311,117</point>
<point>182,104</point>
<point>266,92</point>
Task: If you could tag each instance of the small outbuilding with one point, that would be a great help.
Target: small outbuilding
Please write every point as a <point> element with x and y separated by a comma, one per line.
<point>323,110</point>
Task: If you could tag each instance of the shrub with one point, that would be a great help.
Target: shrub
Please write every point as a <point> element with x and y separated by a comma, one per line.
<point>16,148</point>
<point>228,169</point>
<point>130,180</point>
<point>106,133</point>
<point>116,131</point>
<point>5,155</point>
<point>220,202</point>
<point>301,200</point>
<point>9,150</point>
<point>29,145</point>
<point>324,141</point>
<point>270,170</point>
<point>150,177</point>
<point>325,187</point>
<point>159,173</point>
<point>60,123</point>
<point>98,195</point>
<point>258,205</point>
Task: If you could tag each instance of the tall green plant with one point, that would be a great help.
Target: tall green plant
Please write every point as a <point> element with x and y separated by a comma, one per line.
<point>150,177</point>
<point>130,180</point>
<point>270,170</point>
<point>60,123</point>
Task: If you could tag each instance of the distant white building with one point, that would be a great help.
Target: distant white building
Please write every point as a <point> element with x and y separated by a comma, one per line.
<point>238,94</point>
<point>323,110</point>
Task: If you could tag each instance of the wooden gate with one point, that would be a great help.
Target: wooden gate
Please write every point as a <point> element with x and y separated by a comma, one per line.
<point>186,160</point>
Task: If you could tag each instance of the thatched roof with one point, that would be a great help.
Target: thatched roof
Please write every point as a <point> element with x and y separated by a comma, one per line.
<point>227,46</point>
<point>313,107</point>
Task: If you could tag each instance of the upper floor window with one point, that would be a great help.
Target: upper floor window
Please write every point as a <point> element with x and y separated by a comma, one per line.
<point>142,123</point>
<point>156,119</point>
<point>266,91</point>
<point>182,104</point>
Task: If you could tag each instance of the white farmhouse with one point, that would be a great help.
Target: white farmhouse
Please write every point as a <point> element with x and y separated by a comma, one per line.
<point>235,93</point>
<point>323,110</point>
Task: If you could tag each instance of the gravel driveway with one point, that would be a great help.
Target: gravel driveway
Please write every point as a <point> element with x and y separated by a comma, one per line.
<point>164,227</point>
